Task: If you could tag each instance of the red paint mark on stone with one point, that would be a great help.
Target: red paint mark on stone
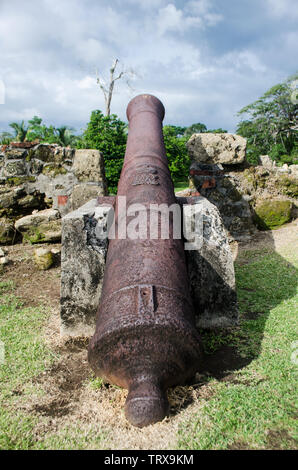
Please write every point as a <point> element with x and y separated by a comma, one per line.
<point>211,183</point>
<point>62,200</point>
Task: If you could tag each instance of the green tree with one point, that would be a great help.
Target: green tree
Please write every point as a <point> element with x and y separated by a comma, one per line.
<point>36,130</point>
<point>65,136</point>
<point>108,135</point>
<point>5,138</point>
<point>39,131</point>
<point>197,128</point>
<point>20,131</point>
<point>175,144</point>
<point>270,124</point>
<point>217,131</point>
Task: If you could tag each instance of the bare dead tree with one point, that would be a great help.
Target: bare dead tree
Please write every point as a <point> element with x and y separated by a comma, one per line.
<point>108,90</point>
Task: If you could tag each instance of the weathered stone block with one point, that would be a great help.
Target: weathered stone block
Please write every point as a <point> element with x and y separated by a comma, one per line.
<point>271,213</point>
<point>2,161</point>
<point>42,226</point>
<point>15,153</point>
<point>222,190</point>
<point>288,184</point>
<point>7,231</point>
<point>84,192</point>
<point>44,152</point>
<point>210,267</point>
<point>15,168</point>
<point>267,162</point>
<point>227,149</point>
<point>88,165</point>
<point>43,258</point>
<point>8,197</point>
<point>36,166</point>
<point>83,258</point>
<point>53,169</point>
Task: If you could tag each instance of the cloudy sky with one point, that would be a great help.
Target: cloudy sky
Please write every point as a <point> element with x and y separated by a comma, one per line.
<point>205,59</point>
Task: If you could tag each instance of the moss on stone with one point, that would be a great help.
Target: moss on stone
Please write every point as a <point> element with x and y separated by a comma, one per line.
<point>43,233</point>
<point>33,236</point>
<point>7,212</point>
<point>272,213</point>
<point>18,180</point>
<point>250,182</point>
<point>234,194</point>
<point>7,199</point>
<point>288,186</point>
<point>52,170</point>
<point>30,155</point>
<point>30,201</point>
<point>44,152</point>
<point>43,258</point>
<point>7,231</point>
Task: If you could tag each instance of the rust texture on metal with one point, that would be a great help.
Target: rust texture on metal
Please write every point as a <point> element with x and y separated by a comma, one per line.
<point>145,338</point>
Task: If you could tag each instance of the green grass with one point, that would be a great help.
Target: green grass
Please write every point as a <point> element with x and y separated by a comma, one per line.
<point>254,407</point>
<point>26,356</point>
<point>257,407</point>
<point>180,186</point>
<point>72,438</point>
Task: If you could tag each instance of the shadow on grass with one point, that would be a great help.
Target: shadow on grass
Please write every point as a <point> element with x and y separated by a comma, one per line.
<point>264,279</point>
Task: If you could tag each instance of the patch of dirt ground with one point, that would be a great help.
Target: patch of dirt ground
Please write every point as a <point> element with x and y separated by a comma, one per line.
<point>279,240</point>
<point>64,393</point>
<point>32,285</point>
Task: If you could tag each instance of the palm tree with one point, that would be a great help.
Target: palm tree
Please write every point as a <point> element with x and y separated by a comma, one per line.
<point>5,138</point>
<point>20,131</point>
<point>65,136</point>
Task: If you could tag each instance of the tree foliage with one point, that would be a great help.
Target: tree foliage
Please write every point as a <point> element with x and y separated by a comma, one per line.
<point>175,138</point>
<point>35,130</point>
<point>20,130</point>
<point>270,124</point>
<point>108,135</point>
<point>175,144</point>
<point>197,128</point>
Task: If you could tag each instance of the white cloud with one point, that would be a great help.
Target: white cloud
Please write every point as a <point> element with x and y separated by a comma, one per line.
<point>86,83</point>
<point>242,60</point>
<point>51,48</point>
<point>198,7</point>
<point>170,19</point>
<point>202,9</point>
<point>196,14</point>
<point>2,92</point>
<point>283,8</point>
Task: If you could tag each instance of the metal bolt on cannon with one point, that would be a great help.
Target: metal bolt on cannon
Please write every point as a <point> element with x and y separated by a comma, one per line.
<point>145,338</point>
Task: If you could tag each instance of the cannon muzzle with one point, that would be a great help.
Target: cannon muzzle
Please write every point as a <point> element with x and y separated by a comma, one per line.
<point>145,338</point>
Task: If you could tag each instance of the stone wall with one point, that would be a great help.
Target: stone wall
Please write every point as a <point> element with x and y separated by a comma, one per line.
<point>37,177</point>
<point>272,194</point>
<point>248,197</point>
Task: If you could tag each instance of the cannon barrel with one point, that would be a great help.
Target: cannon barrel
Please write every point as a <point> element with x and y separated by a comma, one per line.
<point>145,339</point>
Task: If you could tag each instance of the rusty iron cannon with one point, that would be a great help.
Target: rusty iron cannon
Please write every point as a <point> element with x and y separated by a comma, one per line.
<point>145,339</point>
